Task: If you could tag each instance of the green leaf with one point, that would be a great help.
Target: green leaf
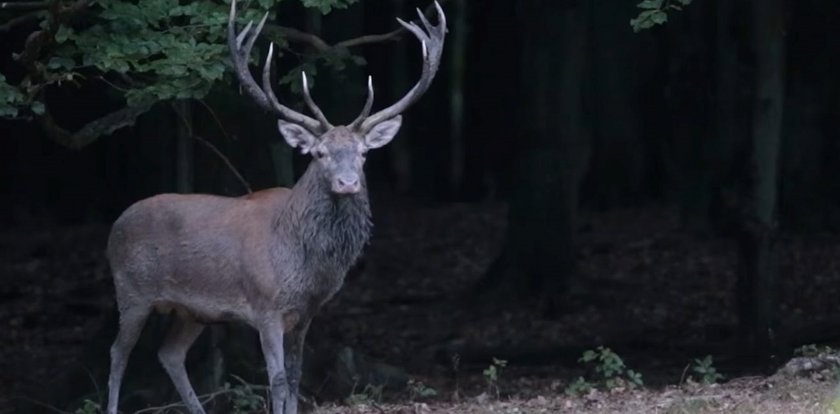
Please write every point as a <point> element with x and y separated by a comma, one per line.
<point>38,107</point>
<point>659,17</point>
<point>326,6</point>
<point>11,99</point>
<point>59,62</point>
<point>7,111</point>
<point>650,4</point>
<point>63,33</point>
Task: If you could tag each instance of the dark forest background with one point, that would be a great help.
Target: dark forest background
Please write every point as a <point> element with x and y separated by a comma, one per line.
<point>726,117</point>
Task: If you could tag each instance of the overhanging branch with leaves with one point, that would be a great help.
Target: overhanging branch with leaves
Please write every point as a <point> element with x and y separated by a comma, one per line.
<point>146,52</point>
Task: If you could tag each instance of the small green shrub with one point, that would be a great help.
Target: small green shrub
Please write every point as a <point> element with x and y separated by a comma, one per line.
<point>611,371</point>
<point>244,397</point>
<point>417,389</point>
<point>705,370</point>
<point>578,387</point>
<point>812,350</point>
<point>369,395</point>
<point>492,374</point>
<point>88,407</point>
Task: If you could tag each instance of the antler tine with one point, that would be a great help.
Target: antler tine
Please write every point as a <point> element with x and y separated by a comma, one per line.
<point>242,35</point>
<point>441,18</point>
<point>431,43</point>
<point>311,103</point>
<point>264,97</point>
<point>423,19</point>
<point>368,105</point>
<point>250,44</point>
<point>266,78</point>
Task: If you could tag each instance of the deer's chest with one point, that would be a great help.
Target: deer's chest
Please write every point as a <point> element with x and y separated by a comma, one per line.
<point>306,301</point>
<point>324,285</point>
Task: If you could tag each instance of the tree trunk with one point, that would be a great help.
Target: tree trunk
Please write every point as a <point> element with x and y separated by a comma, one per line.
<point>758,245</point>
<point>538,255</point>
<point>619,154</point>
<point>400,148</point>
<point>456,87</point>
<point>184,148</point>
<point>281,160</point>
<point>730,136</point>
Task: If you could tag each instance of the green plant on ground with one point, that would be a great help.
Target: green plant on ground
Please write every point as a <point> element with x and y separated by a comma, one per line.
<point>610,369</point>
<point>492,374</point>
<point>417,389</point>
<point>88,407</point>
<point>369,395</point>
<point>244,399</point>
<point>578,387</point>
<point>705,370</point>
<point>812,350</point>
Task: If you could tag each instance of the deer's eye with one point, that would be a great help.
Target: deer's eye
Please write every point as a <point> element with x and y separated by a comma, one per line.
<point>319,153</point>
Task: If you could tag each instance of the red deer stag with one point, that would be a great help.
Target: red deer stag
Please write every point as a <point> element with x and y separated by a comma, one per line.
<point>270,259</point>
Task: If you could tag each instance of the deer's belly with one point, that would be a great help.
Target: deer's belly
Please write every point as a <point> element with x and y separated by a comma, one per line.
<point>202,313</point>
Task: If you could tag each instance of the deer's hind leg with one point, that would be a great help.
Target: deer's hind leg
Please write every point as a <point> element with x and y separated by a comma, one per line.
<point>173,353</point>
<point>132,320</point>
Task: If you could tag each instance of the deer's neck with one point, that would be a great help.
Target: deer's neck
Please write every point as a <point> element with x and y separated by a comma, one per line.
<point>331,229</point>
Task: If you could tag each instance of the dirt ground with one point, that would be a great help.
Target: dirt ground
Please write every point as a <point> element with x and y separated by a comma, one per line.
<point>658,296</point>
<point>743,396</point>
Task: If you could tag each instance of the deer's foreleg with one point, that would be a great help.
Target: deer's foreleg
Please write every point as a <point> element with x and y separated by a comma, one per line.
<point>294,364</point>
<point>271,339</point>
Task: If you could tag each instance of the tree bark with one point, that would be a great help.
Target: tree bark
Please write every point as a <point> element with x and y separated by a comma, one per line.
<point>538,255</point>
<point>619,157</point>
<point>730,138</point>
<point>184,148</point>
<point>456,87</point>
<point>400,148</point>
<point>759,267</point>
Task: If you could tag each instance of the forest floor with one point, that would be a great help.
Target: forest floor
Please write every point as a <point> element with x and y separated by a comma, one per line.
<point>742,396</point>
<point>655,295</point>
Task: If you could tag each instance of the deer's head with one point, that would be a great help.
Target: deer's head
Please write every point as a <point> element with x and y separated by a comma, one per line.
<point>339,151</point>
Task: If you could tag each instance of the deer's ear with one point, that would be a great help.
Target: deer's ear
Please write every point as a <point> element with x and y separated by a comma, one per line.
<point>296,136</point>
<point>383,132</point>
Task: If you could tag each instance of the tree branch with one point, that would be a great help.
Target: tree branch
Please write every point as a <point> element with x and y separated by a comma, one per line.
<point>19,20</point>
<point>367,39</point>
<point>321,45</point>
<point>213,148</point>
<point>227,162</point>
<point>24,5</point>
<point>298,36</point>
<point>92,130</point>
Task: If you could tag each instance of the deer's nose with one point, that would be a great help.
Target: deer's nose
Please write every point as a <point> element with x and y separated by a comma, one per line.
<point>346,184</point>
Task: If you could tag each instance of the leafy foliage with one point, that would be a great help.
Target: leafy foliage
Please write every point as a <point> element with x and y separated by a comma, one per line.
<point>417,389</point>
<point>812,350</point>
<point>578,387</point>
<point>244,399</point>
<point>327,6</point>
<point>158,49</point>
<point>369,395</point>
<point>151,51</point>
<point>655,12</point>
<point>11,99</point>
<point>88,407</point>
<point>705,370</point>
<point>492,374</point>
<point>611,371</point>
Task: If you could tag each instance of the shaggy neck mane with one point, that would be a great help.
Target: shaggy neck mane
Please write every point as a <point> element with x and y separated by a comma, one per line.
<point>332,229</point>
